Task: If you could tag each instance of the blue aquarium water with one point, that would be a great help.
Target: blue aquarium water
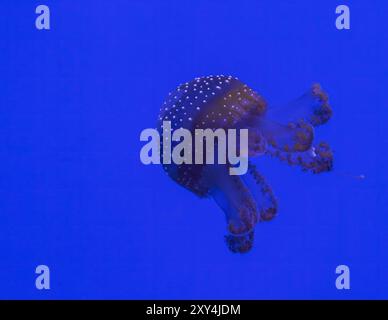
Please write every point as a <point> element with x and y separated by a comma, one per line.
<point>74,195</point>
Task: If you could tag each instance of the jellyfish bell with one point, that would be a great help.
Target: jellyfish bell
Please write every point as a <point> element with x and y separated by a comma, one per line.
<point>225,102</point>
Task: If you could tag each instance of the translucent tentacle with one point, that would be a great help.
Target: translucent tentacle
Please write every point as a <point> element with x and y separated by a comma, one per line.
<point>235,199</point>
<point>266,202</point>
<point>317,159</point>
<point>312,107</point>
<point>257,143</point>
<point>295,136</point>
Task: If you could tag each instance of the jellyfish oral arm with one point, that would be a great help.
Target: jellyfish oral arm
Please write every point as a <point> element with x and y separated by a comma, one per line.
<point>234,198</point>
<point>295,136</point>
<point>245,201</point>
<point>319,158</point>
<point>266,202</point>
<point>312,107</point>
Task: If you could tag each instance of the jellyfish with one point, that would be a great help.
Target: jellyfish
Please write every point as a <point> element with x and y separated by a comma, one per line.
<point>285,132</point>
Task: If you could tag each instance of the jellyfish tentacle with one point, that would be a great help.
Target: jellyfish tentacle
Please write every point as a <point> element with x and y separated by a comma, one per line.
<point>235,199</point>
<point>313,107</point>
<point>295,136</point>
<point>322,111</point>
<point>257,143</point>
<point>266,202</point>
<point>240,243</point>
<point>319,158</point>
